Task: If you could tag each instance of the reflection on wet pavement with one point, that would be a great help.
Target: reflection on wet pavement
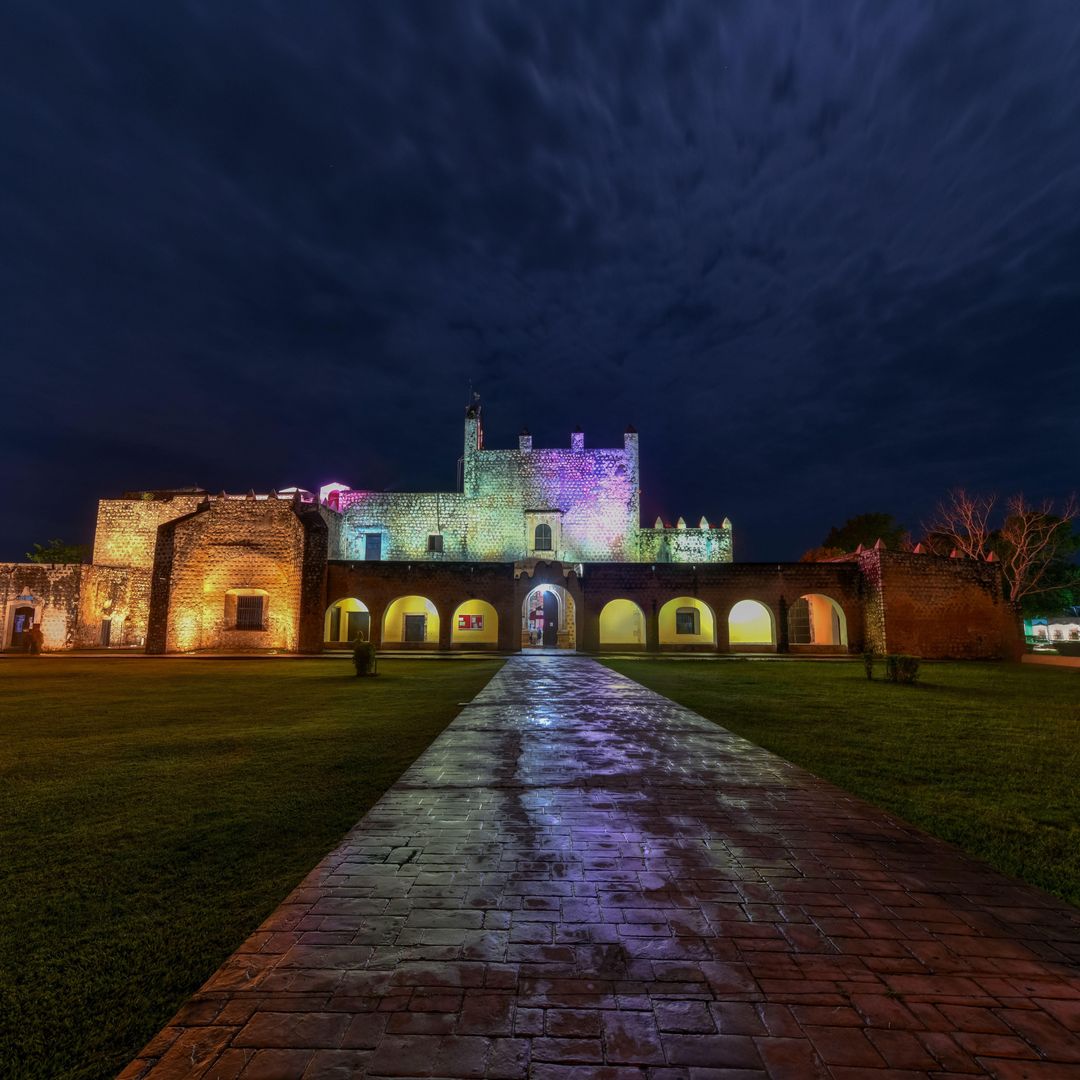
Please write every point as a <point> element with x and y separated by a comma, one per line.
<point>580,878</point>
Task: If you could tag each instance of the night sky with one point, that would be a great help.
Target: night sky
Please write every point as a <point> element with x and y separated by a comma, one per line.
<point>825,256</point>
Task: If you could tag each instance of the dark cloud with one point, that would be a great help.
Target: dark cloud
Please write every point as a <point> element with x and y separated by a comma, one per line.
<point>825,256</point>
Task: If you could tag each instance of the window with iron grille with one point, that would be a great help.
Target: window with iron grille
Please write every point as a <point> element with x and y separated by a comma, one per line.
<point>686,620</point>
<point>800,625</point>
<point>434,542</point>
<point>542,537</point>
<point>249,612</point>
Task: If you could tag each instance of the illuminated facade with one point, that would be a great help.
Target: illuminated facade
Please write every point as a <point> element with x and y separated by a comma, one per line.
<point>540,548</point>
<point>572,505</point>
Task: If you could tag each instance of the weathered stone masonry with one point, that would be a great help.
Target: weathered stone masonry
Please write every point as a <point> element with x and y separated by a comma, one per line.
<point>540,547</point>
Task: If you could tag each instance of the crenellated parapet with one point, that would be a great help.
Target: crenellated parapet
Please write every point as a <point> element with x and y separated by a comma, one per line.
<point>680,543</point>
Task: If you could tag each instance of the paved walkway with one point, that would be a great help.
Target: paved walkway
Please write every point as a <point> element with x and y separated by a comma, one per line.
<point>580,878</point>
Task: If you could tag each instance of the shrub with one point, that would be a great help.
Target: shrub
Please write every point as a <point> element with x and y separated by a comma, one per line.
<point>902,669</point>
<point>364,658</point>
<point>868,664</point>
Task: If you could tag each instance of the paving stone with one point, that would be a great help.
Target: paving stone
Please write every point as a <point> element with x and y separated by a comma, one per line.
<point>580,879</point>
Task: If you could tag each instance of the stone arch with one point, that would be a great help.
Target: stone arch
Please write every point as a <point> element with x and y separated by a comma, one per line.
<point>622,623</point>
<point>20,617</point>
<point>817,620</point>
<point>344,620</point>
<point>548,618</point>
<point>751,623</point>
<point>402,622</point>
<point>686,620</point>
<point>465,629</point>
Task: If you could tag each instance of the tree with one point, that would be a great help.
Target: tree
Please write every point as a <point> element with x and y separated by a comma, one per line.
<point>1035,544</point>
<point>56,551</point>
<point>865,529</point>
<point>821,554</point>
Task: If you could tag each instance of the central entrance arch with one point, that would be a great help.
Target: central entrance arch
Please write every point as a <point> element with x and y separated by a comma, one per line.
<point>547,619</point>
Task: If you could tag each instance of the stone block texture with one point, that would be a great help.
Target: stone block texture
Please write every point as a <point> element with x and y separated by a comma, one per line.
<point>588,498</point>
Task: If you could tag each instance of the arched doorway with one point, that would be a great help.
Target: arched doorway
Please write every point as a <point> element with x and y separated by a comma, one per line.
<point>547,619</point>
<point>411,620</point>
<point>817,621</point>
<point>751,625</point>
<point>622,623</point>
<point>21,623</point>
<point>476,623</point>
<point>685,622</point>
<point>345,621</point>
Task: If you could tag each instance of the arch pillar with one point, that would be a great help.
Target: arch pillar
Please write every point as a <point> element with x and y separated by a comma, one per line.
<point>509,628</point>
<point>783,632</point>
<point>375,626</point>
<point>588,625</point>
<point>723,632</point>
<point>580,619</point>
<point>652,627</point>
<point>446,630</point>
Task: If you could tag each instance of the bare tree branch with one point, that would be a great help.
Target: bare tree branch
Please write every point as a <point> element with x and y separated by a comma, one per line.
<point>1029,541</point>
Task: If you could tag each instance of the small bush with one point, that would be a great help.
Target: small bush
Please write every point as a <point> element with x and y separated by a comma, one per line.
<point>363,657</point>
<point>868,664</point>
<point>902,669</point>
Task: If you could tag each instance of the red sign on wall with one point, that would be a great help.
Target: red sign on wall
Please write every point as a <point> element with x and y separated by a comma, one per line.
<point>470,622</point>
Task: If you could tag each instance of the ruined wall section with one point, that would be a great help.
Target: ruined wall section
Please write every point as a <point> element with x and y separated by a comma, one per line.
<point>73,602</point>
<point>119,596</point>
<point>938,608</point>
<point>126,529</point>
<point>231,543</point>
<point>52,591</point>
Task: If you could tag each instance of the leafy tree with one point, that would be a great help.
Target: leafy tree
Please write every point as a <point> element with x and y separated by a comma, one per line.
<point>867,529</point>
<point>1036,545</point>
<point>821,554</point>
<point>56,551</point>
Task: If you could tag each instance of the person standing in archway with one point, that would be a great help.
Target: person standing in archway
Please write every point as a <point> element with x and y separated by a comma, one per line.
<point>35,639</point>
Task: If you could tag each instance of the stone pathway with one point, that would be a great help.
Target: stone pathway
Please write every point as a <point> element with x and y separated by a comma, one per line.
<point>580,878</point>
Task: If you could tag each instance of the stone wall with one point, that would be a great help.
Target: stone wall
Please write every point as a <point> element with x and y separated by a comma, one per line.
<point>52,591</point>
<point>936,607</point>
<point>686,545</point>
<point>126,528</point>
<point>590,499</point>
<point>275,548</point>
<point>119,596</point>
<point>72,602</point>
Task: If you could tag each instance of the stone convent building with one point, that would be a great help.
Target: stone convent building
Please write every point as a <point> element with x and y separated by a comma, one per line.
<point>539,548</point>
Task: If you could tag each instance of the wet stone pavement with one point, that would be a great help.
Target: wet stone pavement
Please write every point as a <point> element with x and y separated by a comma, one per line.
<point>580,878</point>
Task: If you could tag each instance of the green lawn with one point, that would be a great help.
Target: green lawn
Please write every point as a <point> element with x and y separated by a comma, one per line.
<point>984,755</point>
<point>153,812</point>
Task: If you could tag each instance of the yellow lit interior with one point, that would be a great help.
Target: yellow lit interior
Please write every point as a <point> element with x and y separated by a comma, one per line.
<point>489,635</point>
<point>622,623</point>
<point>706,634</point>
<point>394,619</point>
<point>825,628</point>
<point>348,604</point>
<point>750,623</point>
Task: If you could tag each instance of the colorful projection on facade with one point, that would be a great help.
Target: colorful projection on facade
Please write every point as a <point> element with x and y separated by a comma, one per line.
<point>570,505</point>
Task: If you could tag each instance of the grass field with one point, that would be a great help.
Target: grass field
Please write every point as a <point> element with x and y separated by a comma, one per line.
<point>984,755</point>
<point>153,812</point>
